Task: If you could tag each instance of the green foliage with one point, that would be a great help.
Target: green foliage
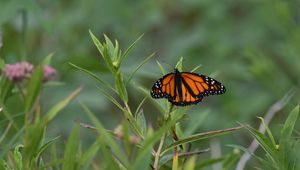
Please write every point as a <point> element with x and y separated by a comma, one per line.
<point>252,46</point>
<point>284,154</point>
<point>34,88</point>
<point>118,159</point>
<point>70,156</point>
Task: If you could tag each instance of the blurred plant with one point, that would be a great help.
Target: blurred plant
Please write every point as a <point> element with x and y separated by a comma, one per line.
<point>278,155</point>
<point>28,136</point>
<point>147,155</point>
<point>18,71</point>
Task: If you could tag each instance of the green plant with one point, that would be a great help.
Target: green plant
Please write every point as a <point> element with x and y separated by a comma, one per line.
<point>146,154</point>
<point>279,155</point>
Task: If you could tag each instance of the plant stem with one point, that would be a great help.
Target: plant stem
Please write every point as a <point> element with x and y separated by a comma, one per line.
<point>24,31</point>
<point>175,159</point>
<point>157,154</point>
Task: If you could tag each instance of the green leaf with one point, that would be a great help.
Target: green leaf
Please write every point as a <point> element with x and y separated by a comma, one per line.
<point>141,121</point>
<point>161,68</point>
<point>87,157</point>
<point>196,68</point>
<point>94,76</point>
<point>110,47</point>
<point>139,66</point>
<point>128,50</point>
<point>112,99</point>
<point>2,64</point>
<point>4,165</point>
<point>48,59</point>
<point>33,137</point>
<point>11,141</point>
<point>190,164</point>
<point>265,143</point>
<point>52,113</point>
<point>179,64</point>
<point>285,147</point>
<point>252,154</point>
<point>140,105</point>
<point>168,157</point>
<point>107,138</point>
<point>120,86</point>
<point>157,103</point>
<point>144,153</point>
<point>268,131</point>
<point>6,87</point>
<point>70,161</point>
<point>209,162</point>
<point>289,126</point>
<point>103,49</point>
<point>43,148</point>
<point>18,157</point>
<point>200,136</point>
<point>133,123</point>
<point>117,52</point>
<point>231,159</point>
<point>34,88</point>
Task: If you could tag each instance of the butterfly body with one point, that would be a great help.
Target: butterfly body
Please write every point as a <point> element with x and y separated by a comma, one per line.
<point>185,88</point>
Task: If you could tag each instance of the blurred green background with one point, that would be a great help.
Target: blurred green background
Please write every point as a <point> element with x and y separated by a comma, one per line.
<point>251,46</point>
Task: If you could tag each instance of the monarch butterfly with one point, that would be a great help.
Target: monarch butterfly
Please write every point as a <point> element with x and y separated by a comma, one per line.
<point>185,88</point>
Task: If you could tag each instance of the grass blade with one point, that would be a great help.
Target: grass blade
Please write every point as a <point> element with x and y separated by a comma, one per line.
<point>289,125</point>
<point>34,88</point>
<point>144,154</point>
<point>107,138</point>
<point>70,160</point>
<point>128,50</point>
<point>162,69</point>
<point>89,154</point>
<point>139,66</point>
<point>200,136</point>
<point>94,76</point>
<point>264,142</point>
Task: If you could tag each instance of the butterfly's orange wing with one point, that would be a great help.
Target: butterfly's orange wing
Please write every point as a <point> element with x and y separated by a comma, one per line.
<point>193,88</point>
<point>202,85</point>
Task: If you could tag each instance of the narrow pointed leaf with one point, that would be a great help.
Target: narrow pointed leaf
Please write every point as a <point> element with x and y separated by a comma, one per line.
<point>144,154</point>
<point>4,165</point>
<point>200,136</point>
<point>179,64</point>
<point>289,125</point>
<point>48,58</point>
<point>94,76</point>
<point>107,138</point>
<point>6,87</point>
<point>44,147</point>
<point>18,157</point>
<point>141,121</point>
<point>70,160</point>
<point>128,50</point>
<point>34,88</point>
<point>139,66</point>
<point>161,68</point>
<point>264,142</point>
<point>2,64</point>
<point>90,153</point>
<point>268,131</point>
<point>120,86</point>
<point>103,49</point>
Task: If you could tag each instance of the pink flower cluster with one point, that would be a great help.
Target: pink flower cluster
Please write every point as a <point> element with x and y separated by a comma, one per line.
<point>49,72</point>
<point>18,71</point>
<point>22,70</point>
